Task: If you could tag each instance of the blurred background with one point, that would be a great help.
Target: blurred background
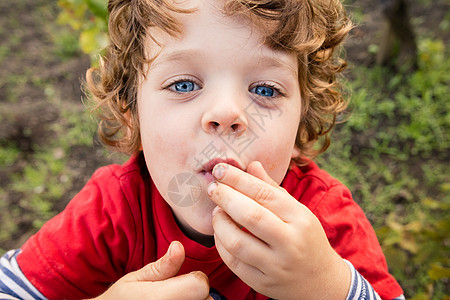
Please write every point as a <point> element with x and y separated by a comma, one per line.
<point>392,152</point>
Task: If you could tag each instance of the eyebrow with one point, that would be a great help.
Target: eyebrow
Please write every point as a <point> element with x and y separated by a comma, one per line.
<point>264,61</point>
<point>270,61</point>
<point>176,56</point>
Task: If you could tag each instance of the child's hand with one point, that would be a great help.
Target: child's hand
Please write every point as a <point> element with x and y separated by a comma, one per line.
<point>156,281</point>
<point>286,255</point>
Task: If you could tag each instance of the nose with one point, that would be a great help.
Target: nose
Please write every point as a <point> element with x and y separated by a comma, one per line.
<point>225,116</point>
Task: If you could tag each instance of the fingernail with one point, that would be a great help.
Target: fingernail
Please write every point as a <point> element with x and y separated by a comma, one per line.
<point>215,210</point>
<point>169,251</point>
<point>172,247</point>
<point>211,187</point>
<point>219,171</point>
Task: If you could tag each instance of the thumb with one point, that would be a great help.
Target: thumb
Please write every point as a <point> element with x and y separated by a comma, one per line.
<point>164,268</point>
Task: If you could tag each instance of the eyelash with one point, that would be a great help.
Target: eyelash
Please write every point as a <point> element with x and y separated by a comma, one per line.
<point>275,87</point>
<point>278,90</point>
<point>179,80</point>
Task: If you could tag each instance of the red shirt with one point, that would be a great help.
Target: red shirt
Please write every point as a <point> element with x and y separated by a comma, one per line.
<point>119,222</point>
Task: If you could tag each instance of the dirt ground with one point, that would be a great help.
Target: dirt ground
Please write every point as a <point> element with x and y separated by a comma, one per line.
<point>37,89</point>
<point>31,74</point>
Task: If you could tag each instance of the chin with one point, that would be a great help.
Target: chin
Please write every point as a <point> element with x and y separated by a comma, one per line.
<point>203,235</point>
<point>204,229</point>
<point>202,221</point>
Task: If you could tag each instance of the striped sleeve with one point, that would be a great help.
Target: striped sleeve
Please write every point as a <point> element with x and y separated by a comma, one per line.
<point>13,283</point>
<point>360,288</point>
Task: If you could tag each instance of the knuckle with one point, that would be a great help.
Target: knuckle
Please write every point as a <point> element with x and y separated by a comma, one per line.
<point>218,192</point>
<point>309,223</point>
<point>267,282</point>
<point>237,180</point>
<point>235,246</point>
<point>253,217</point>
<point>263,194</point>
<point>233,263</point>
<point>153,270</point>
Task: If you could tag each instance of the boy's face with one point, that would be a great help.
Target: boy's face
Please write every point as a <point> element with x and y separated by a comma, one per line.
<point>214,94</point>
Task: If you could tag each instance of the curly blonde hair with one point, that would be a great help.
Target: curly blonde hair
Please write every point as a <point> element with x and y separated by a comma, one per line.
<point>312,29</point>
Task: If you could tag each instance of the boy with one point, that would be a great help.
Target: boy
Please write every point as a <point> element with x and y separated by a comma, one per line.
<point>220,102</point>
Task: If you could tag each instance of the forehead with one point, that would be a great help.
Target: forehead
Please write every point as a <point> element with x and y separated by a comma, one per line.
<point>208,29</point>
<point>204,16</point>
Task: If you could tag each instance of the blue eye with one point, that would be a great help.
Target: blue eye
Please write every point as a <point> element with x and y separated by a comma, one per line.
<point>264,91</point>
<point>184,86</point>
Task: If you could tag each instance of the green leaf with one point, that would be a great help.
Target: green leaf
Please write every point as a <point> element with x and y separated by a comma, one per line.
<point>98,8</point>
<point>88,40</point>
<point>438,272</point>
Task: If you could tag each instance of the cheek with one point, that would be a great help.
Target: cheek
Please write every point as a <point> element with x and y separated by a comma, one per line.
<point>157,130</point>
<point>277,160</point>
<point>164,143</point>
<point>276,150</point>
<point>165,148</point>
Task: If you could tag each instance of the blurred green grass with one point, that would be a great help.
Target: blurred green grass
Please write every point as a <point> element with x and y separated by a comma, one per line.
<point>393,154</point>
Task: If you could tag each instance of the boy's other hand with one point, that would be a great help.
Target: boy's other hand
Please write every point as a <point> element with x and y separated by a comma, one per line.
<point>158,280</point>
<point>283,252</point>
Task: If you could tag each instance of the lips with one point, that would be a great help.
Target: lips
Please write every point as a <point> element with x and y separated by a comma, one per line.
<point>209,166</point>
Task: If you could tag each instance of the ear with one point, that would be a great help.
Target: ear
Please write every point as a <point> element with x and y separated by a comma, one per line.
<point>130,123</point>
<point>295,152</point>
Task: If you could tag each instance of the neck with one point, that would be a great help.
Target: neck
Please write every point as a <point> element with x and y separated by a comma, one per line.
<point>203,239</point>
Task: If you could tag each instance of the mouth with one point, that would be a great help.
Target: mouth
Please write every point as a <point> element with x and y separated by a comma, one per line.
<point>207,168</point>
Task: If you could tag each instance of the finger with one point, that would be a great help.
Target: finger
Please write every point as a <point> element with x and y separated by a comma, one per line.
<point>164,268</point>
<point>267,194</point>
<point>246,212</point>
<point>247,273</point>
<point>256,169</point>
<point>240,244</point>
<point>194,285</point>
